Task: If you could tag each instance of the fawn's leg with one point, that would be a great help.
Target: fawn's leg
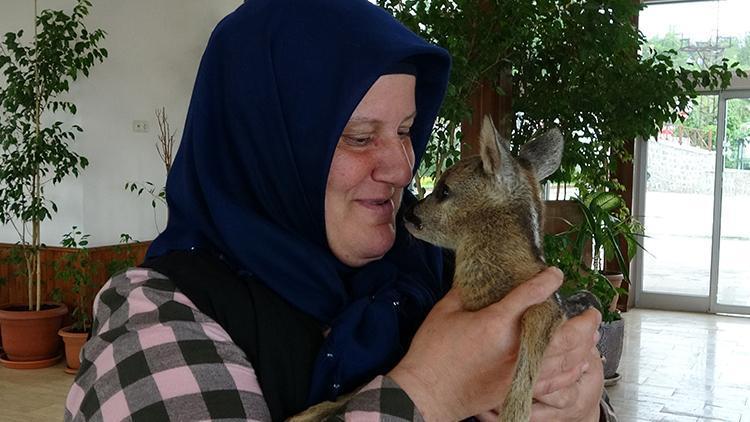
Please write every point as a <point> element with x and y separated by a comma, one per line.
<point>537,325</point>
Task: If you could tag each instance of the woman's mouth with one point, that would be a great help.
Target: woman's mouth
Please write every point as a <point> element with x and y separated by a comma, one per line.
<point>381,206</point>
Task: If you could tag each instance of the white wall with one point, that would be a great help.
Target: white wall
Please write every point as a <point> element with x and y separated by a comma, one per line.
<point>154,50</point>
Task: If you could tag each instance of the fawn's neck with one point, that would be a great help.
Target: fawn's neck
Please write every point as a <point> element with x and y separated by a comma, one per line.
<point>491,263</point>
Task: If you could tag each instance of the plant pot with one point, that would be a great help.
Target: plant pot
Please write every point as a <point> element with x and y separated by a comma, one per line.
<point>616,280</point>
<point>73,343</point>
<point>610,346</point>
<point>30,337</point>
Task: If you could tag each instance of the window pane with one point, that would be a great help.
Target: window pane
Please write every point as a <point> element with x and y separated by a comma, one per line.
<point>702,32</point>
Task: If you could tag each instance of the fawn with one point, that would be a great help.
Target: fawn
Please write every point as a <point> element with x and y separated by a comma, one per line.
<point>488,209</point>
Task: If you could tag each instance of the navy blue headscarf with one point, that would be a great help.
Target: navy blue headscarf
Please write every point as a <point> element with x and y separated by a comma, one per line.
<point>277,84</point>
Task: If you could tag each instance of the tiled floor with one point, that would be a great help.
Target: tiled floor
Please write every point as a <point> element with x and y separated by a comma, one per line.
<point>684,367</point>
<point>675,367</point>
<point>34,395</point>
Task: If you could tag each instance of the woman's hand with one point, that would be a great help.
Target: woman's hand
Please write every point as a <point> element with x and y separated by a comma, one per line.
<point>461,363</point>
<point>570,380</point>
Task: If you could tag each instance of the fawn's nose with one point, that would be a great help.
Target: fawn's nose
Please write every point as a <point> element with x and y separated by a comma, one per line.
<point>412,218</point>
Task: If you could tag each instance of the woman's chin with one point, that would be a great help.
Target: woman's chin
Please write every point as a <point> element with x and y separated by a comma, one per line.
<point>371,248</point>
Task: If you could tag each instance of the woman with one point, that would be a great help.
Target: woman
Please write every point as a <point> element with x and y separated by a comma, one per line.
<point>285,277</point>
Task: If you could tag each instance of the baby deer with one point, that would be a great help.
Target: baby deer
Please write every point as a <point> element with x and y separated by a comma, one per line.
<point>488,209</point>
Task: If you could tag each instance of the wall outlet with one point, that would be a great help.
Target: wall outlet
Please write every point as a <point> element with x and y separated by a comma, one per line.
<point>140,126</point>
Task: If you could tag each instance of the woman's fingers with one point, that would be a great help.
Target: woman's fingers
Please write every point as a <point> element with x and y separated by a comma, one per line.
<point>451,302</point>
<point>567,353</point>
<point>535,290</point>
<point>561,399</point>
<point>559,381</point>
<point>572,339</point>
<point>578,401</point>
<point>575,331</point>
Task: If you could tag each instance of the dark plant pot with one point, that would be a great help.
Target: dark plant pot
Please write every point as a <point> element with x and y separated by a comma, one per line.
<point>610,345</point>
<point>73,344</point>
<point>30,337</point>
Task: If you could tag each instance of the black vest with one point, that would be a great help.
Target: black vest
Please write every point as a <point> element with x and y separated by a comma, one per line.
<point>281,342</point>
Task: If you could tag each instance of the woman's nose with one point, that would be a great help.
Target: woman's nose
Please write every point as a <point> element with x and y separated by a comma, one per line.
<point>395,162</point>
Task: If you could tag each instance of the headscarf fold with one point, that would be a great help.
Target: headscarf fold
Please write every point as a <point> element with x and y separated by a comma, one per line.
<point>277,84</point>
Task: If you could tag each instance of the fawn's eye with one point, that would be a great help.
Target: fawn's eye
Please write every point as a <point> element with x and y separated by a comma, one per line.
<point>443,192</point>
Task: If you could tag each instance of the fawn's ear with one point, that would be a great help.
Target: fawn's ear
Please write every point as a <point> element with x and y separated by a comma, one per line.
<point>494,154</point>
<point>544,153</point>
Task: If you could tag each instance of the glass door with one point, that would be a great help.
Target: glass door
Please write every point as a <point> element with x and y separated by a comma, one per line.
<point>679,185</point>
<point>731,288</point>
<point>694,180</point>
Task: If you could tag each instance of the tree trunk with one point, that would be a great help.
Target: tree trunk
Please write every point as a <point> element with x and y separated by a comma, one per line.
<point>37,191</point>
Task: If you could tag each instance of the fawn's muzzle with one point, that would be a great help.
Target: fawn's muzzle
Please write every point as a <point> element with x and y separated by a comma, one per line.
<point>411,218</point>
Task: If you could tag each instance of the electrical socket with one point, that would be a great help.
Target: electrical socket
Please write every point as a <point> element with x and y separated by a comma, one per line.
<point>140,126</point>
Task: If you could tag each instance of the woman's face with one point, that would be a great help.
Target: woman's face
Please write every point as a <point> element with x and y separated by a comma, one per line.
<point>371,166</point>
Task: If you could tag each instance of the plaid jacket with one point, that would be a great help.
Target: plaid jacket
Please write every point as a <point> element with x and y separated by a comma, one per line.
<point>153,356</point>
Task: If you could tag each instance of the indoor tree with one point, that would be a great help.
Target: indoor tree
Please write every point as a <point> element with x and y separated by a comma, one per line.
<point>34,138</point>
<point>573,64</point>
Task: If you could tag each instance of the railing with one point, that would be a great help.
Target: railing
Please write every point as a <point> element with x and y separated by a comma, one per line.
<point>699,138</point>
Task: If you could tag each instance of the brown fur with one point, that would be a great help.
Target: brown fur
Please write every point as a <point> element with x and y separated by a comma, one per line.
<point>321,411</point>
<point>491,216</point>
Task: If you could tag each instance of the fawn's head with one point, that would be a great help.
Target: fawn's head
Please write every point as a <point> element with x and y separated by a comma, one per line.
<point>480,193</point>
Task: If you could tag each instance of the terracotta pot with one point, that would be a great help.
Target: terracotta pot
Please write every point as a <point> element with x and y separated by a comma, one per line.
<point>616,280</point>
<point>32,335</point>
<point>73,344</point>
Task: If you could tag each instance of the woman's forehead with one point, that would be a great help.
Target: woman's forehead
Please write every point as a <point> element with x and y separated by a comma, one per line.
<point>390,98</point>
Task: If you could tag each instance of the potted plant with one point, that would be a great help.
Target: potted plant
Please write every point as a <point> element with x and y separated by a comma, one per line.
<point>81,270</point>
<point>581,253</point>
<point>34,151</point>
<point>78,269</point>
<point>605,226</point>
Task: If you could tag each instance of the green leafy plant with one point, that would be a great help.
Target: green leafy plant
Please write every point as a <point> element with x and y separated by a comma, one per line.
<point>83,273</point>
<point>78,269</point>
<point>14,259</point>
<point>34,145</point>
<point>559,251</point>
<point>573,64</point>
<point>124,255</point>
<point>606,221</point>
<point>605,226</point>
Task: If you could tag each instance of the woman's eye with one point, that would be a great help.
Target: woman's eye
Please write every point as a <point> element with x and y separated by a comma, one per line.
<point>405,134</point>
<point>357,142</point>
